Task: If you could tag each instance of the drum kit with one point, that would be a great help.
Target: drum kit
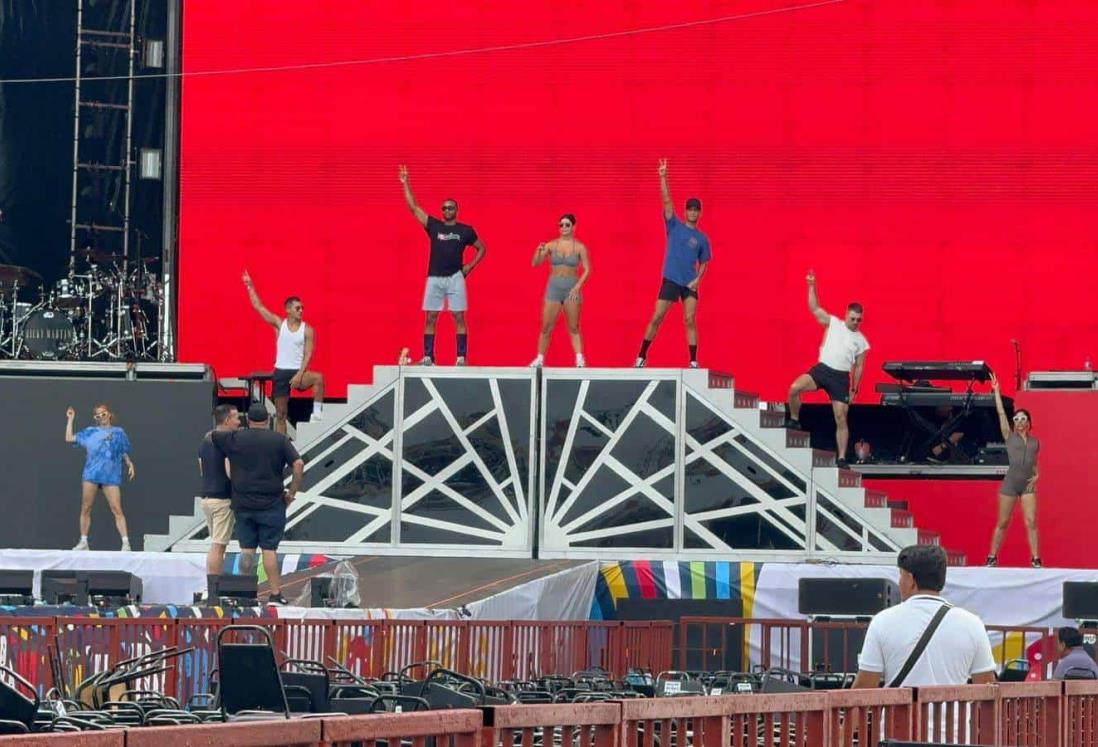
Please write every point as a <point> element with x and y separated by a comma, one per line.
<point>108,311</point>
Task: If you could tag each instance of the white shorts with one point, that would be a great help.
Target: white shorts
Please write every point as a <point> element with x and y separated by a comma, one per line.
<point>441,292</point>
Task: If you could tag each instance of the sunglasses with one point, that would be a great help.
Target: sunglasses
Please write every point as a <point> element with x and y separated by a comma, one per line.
<point>565,224</point>
<point>448,208</point>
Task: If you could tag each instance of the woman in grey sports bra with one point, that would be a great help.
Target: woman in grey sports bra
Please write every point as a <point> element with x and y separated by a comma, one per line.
<point>1020,482</point>
<point>565,255</point>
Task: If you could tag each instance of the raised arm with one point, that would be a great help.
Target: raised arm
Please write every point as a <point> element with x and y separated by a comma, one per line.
<point>268,317</point>
<point>814,303</point>
<point>481,251</point>
<point>69,415</point>
<point>665,191</point>
<point>409,198</point>
<point>1004,424</point>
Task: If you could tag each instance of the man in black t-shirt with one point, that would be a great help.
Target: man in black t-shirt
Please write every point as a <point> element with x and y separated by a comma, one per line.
<point>446,271</point>
<point>258,458</point>
<point>216,489</point>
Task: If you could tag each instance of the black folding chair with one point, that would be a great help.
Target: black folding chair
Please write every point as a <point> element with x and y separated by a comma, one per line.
<point>18,698</point>
<point>248,676</point>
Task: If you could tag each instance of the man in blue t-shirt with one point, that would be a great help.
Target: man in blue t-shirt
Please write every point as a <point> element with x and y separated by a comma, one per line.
<point>684,264</point>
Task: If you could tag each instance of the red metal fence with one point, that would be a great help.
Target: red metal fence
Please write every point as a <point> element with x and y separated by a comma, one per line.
<point>496,650</point>
<point>738,644</point>
<point>1045,714</point>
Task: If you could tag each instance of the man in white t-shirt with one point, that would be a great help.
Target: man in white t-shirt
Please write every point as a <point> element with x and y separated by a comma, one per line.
<point>957,650</point>
<point>843,349</point>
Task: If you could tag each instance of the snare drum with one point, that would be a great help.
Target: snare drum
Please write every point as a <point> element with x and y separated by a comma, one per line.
<point>48,334</point>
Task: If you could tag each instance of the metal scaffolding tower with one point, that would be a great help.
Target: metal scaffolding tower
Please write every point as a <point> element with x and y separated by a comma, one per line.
<point>102,147</point>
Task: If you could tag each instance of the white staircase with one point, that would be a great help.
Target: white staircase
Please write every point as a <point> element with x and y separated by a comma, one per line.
<point>734,463</point>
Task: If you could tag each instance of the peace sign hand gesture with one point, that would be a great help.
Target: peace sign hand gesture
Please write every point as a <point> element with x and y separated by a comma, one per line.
<point>663,167</point>
<point>403,174</point>
<point>994,383</point>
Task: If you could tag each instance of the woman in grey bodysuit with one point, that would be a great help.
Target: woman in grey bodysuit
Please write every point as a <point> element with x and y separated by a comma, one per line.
<point>565,255</point>
<point>1021,478</point>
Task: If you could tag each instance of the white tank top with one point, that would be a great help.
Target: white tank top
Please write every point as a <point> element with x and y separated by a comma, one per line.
<point>291,347</point>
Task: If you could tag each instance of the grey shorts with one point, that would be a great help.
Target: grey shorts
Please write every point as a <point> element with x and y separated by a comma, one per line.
<point>1014,483</point>
<point>441,292</point>
<point>559,287</point>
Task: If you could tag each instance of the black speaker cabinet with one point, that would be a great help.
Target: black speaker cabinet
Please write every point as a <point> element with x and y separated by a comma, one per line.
<point>241,589</point>
<point>83,587</point>
<point>1081,600</point>
<point>63,587</point>
<point>848,597</point>
<point>17,583</point>
<point>116,586</point>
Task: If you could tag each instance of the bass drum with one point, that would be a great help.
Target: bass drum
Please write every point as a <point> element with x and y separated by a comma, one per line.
<point>48,334</point>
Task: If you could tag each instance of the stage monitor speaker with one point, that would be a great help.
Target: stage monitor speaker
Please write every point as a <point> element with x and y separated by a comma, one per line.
<point>848,597</point>
<point>17,587</point>
<point>114,587</point>
<point>241,590</point>
<point>1080,600</point>
<point>64,587</point>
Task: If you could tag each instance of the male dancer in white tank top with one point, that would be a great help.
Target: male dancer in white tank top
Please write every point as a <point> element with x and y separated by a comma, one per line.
<point>295,344</point>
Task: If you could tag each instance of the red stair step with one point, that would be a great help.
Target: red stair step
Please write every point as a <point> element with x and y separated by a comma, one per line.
<point>927,537</point>
<point>902,519</point>
<point>720,380</point>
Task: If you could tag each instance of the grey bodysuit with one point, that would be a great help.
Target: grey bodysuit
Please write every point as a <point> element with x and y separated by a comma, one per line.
<point>1022,458</point>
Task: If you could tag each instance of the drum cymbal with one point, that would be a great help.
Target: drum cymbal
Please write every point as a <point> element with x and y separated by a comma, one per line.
<point>16,274</point>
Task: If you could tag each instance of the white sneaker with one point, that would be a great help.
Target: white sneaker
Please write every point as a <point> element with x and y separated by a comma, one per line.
<point>640,363</point>
<point>537,362</point>
<point>581,362</point>
<point>125,546</point>
<point>316,417</point>
<point>460,361</point>
<point>426,361</point>
<point>693,364</point>
<point>81,545</point>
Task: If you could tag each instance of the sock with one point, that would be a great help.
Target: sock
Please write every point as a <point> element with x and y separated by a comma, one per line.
<point>83,538</point>
<point>580,360</point>
<point>318,407</point>
<point>693,353</point>
<point>463,344</point>
<point>429,346</point>
<point>539,359</point>
<point>126,540</point>
<point>644,349</point>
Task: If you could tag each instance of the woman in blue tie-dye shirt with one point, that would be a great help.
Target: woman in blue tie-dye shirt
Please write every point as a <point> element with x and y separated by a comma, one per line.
<point>108,448</point>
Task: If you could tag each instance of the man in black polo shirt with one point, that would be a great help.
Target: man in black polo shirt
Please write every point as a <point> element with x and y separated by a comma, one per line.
<point>258,458</point>
<point>216,489</point>
<point>446,271</point>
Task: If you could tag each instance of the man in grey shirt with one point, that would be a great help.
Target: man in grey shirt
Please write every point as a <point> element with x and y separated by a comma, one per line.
<point>1075,663</point>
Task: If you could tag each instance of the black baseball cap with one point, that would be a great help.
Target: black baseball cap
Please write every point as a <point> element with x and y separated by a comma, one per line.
<point>257,413</point>
<point>694,202</point>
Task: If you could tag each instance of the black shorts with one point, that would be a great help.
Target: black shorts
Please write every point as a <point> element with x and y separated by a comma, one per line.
<point>672,291</point>
<point>282,377</point>
<point>262,529</point>
<point>835,383</point>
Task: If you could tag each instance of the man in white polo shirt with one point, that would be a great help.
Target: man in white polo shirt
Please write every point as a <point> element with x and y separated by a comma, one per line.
<point>844,348</point>
<point>955,650</point>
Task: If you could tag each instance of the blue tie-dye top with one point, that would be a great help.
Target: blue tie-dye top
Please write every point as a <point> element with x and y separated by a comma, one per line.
<point>105,447</point>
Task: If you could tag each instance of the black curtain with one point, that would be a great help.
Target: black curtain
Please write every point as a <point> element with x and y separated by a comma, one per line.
<point>38,40</point>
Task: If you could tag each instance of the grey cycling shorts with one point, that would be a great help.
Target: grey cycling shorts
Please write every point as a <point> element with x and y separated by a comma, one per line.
<point>559,287</point>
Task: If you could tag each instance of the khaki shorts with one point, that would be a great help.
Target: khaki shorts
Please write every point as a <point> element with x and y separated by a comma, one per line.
<point>219,519</point>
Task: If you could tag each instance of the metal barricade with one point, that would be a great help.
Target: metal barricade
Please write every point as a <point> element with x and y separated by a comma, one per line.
<point>965,714</point>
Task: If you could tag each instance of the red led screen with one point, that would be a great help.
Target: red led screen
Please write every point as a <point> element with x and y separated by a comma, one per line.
<point>934,160</point>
